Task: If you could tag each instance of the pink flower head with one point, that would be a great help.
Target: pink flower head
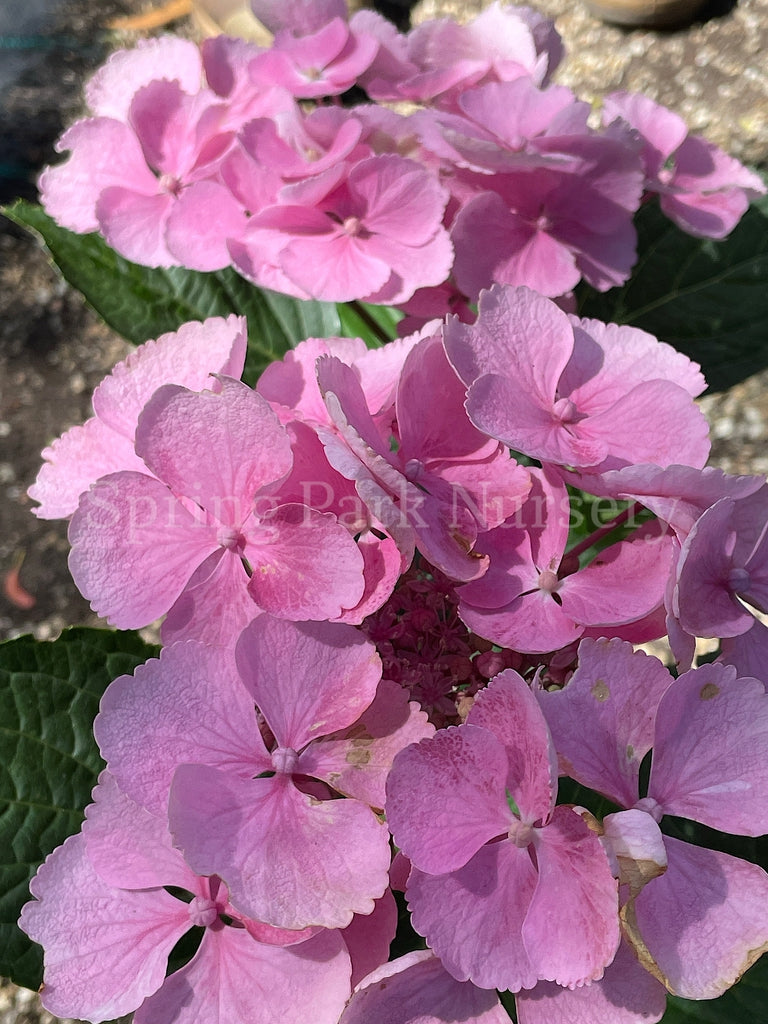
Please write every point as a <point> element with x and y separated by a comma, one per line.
<point>702,189</point>
<point>433,479</point>
<point>576,393</point>
<point>105,442</point>
<point>566,212</point>
<point>696,917</point>
<point>291,852</point>
<point>374,232</point>
<point>498,125</point>
<point>127,174</point>
<point>322,61</point>
<point>724,563</point>
<point>531,600</point>
<point>107,924</point>
<point>440,58</point>
<point>205,526</point>
<point>507,888</point>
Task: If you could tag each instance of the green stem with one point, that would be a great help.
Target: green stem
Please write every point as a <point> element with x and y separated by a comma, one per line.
<point>603,531</point>
<point>369,321</point>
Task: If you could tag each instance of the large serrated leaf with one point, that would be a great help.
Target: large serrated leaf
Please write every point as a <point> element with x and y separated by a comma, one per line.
<point>708,299</point>
<point>746,1002</point>
<point>143,302</point>
<point>49,761</point>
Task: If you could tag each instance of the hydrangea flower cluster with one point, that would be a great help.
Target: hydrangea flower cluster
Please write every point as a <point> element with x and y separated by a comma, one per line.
<point>233,154</point>
<point>378,630</point>
<point>386,631</point>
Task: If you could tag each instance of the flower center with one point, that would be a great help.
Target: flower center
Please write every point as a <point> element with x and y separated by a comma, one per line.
<point>229,537</point>
<point>203,911</point>
<point>285,760</point>
<point>352,225</point>
<point>650,806</point>
<point>520,834</point>
<point>549,581</point>
<point>565,410</point>
<point>169,185</point>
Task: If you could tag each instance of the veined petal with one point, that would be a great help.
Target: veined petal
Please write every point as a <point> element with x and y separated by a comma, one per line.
<point>283,983</point>
<point>309,679</point>
<point>571,930</point>
<point>508,709</point>
<point>446,797</point>
<point>134,547</point>
<point>288,859</point>
<point>187,707</point>
<point>473,918</point>
<point>702,923</point>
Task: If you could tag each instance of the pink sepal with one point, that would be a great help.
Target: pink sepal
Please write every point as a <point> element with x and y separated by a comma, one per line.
<point>356,761</point>
<point>106,949</point>
<point>282,983</point>
<point>288,859</point>
<point>308,679</point>
<point>417,988</point>
<point>710,760</point>
<point>702,923</point>
<point>187,707</point>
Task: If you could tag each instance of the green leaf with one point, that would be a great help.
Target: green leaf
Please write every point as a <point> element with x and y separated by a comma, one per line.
<point>373,324</point>
<point>143,302</point>
<point>49,761</point>
<point>746,1001</point>
<point>708,299</point>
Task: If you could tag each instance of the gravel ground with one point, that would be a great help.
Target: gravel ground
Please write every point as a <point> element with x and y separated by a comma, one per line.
<point>53,349</point>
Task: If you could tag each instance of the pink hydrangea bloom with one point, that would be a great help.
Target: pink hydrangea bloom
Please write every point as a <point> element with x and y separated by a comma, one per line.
<point>440,59</point>
<point>372,231</point>
<point>507,888</point>
<point>436,480</point>
<point>548,226</point>
<point>206,527</point>
<point>105,443</point>
<point>702,189</point>
<point>128,174</point>
<point>695,916</point>
<point>107,924</point>
<point>290,854</point>
<point>531,600</point>
<point>724,563</point>
<point>322,61</point>
<point>576,393</point>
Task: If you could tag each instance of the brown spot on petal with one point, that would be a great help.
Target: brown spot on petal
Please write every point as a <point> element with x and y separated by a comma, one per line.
<point>600,691</point>
<point>708,691</point>
<point>358,756</point>
<point>590,821</point>
<point>638,873</point>
<point>632,934</point>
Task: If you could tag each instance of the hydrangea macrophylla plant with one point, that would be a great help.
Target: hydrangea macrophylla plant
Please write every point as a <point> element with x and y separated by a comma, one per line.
<point>399,587</point>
